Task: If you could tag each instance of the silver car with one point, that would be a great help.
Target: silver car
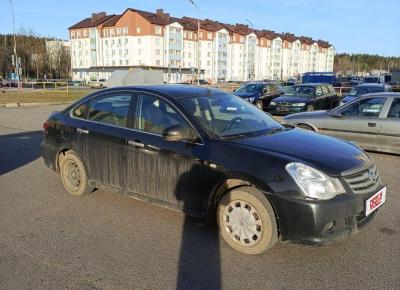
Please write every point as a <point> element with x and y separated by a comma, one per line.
<point>372,121</point>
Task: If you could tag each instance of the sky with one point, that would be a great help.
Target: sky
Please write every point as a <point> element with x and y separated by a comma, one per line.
<point>352,26</point>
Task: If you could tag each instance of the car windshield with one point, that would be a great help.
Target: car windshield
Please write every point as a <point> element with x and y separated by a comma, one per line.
<point>362,90</point>
<point>225,115</point>
<point>371,80</point>
<point>304,91</point>
<point>249,88</point>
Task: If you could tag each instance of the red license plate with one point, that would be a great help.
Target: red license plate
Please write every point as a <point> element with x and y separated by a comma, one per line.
<point>375,201</point>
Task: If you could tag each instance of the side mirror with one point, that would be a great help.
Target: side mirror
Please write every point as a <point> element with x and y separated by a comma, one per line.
<point>176,133</point>
<point>335,114</point>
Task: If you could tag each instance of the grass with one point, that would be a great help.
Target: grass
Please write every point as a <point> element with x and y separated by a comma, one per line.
<point>39,96</point>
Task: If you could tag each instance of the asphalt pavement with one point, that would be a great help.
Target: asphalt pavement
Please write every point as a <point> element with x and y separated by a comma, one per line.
<point>52,240</point>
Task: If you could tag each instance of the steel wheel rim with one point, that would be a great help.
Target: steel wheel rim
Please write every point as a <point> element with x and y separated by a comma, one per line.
<point>242,223</point>
<point>72,175</point>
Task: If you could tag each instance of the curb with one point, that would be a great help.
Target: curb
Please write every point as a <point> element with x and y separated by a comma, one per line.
<point>17,105</point>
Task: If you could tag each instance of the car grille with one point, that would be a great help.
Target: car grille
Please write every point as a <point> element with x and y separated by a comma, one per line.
<point>364,181</point>
<point>284,104</point>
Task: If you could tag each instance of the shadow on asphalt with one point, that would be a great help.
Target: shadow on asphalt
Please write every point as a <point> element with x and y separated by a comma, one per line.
<point>19,149</point>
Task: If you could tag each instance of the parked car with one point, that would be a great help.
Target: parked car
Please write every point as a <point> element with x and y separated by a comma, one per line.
<point>97,84</point>
<point>212,154</point>
<point>373,121</point>
<point>364,89</point>
<point>355,81</point>
<point>259,93</point>
<point>305,97</point>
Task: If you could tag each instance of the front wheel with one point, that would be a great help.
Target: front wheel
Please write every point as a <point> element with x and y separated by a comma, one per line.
<point>73,174</point>
<point>247,221</point>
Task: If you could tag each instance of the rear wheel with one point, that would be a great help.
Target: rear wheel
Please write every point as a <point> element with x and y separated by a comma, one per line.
<point>73,174</point>
<point>259,104</point>
<point>247,221</point>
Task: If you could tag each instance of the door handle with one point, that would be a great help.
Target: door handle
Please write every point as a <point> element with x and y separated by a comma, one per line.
<point>83,131</point>
<point>371,124</point>
<point>135,143</point>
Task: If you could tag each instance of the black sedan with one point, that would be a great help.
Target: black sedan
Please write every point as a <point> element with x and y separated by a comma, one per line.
<point>213,155</point>
<point>259,93</point>
<point>305,97</point>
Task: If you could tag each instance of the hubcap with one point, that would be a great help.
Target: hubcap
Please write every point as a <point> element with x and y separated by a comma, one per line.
<point>73,174</point>
<point>242,222</point>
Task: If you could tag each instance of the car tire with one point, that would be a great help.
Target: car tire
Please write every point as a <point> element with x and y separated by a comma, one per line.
<point>243,211</point>
<point>259,104</point>
<point>305,127</point>
<point>310,108</point>
<point>73,174</point>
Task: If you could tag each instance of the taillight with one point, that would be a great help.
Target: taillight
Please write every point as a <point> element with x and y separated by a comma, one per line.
<point>46,125</point>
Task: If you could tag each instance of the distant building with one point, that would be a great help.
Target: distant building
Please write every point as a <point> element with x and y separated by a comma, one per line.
<point>103,43</point>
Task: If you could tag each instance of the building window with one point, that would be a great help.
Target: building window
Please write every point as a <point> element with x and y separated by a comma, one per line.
<point>241,39</point>
<point>85,33</point>
<point>158,41</point>
<point>78,33</point>
<point>209,35</point>
<point>185,34</point>
<point>139,41</point>
<point>127,62</point>
<point>190,35</point>
<point>138,30</point>
<point>111,32</point>
<point>72,34</point>
<point>157,30</point>
<point>158,62</point>
<point>118,31</point>
<point>200,35</point>
<point>126,40</point>
<point>139,52</point>
<point>126,52</point>
<point>125,31</point>
<point>158,52</point>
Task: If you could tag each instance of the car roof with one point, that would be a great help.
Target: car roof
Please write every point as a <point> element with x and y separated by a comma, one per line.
<point>313,84</point>
<point>382,95</point>
<point>175,91</point>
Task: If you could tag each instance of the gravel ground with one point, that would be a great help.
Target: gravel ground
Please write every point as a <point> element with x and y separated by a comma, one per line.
<point>52,240</point>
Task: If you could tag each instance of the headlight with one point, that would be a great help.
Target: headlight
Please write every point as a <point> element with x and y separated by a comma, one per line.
<point>298,104</point>
<point>272,104</point>
<point>251,99</point>
<point>313,183</point>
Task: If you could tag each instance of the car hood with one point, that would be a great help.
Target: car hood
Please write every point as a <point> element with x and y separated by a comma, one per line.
<point>291,99</point>
<point>328,154</point>
<point>348,98</point>
<point>247,95</point>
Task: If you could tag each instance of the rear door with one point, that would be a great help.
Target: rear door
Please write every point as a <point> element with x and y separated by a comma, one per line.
<point>359,122</point>
<point>104,138</point>
<point>389,128</point>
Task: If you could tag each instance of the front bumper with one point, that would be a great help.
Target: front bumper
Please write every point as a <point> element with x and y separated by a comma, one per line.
<point>308,221</point>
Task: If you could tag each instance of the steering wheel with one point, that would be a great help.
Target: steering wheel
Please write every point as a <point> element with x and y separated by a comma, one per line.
<point>236,120</point>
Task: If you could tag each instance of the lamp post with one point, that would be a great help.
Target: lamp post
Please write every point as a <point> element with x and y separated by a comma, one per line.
<point>15,42</point>
<point>253,64</point>
<point>198,41</point>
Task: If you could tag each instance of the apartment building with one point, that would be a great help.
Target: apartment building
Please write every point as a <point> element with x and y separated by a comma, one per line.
<point>103,43</point>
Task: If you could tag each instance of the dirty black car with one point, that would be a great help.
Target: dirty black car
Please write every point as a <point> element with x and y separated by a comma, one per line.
<point>213,155</point>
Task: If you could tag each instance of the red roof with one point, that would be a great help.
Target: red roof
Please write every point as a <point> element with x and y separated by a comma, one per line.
<point>91,22</point>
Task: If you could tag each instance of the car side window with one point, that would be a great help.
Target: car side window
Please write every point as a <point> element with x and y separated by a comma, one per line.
<point>370,107</point>
<point>111,109</point>
<point>80,111</point>
<point>155,115</point>
<point>394,111</point>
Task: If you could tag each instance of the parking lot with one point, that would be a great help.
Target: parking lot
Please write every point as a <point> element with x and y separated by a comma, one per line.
<point>52,240</point>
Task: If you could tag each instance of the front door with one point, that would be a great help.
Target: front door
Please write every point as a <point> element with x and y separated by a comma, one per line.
<point>358,122</point>
<point>389,129</point>
<point>164,171</point>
